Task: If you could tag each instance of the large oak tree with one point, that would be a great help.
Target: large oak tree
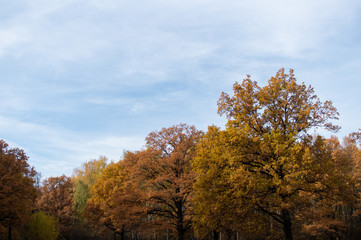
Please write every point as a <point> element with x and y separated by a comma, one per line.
<point>56,199</point>
<point>266,161</point>
<point>164,173</point>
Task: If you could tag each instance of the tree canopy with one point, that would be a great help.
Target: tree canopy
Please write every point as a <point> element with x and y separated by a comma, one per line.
<point>17,187</point>
<point>83,179</point>
<point>165,172</point>
<point>266,161</point>
<point>266,175</point>
<point>56,199</point>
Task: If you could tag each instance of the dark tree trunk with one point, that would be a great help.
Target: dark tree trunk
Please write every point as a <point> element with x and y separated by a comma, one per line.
<point>215,235</point>
<point>9,232</point>
<point>180,228</point>
<point>122,234</point>
<point>181,235</point>
<point>287,224</point>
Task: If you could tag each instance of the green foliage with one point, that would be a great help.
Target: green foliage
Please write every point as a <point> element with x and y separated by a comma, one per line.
<point>84,178</point>
<point>90,171</point>
<point>41,227</point>
<point>80,197</point>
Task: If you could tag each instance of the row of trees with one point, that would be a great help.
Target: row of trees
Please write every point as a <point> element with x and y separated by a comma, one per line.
<point>263,177</point>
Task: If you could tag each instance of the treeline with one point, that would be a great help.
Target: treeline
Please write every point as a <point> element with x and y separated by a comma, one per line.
<point>263,177</point>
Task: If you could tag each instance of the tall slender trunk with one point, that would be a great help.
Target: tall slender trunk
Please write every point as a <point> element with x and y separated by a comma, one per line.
<point>122,234</point>
<point>9,232</point>
<point>287,224</point>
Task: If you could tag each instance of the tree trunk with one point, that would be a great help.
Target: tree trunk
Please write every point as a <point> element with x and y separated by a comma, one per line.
<point>122,234</point>
<point>180,228</point>
<point>180,235</point>
<point>287,224</point>
<point>9,232</point>
<point>215,235</point>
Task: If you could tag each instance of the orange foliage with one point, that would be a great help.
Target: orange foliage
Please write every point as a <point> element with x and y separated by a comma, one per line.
<point>164,173</point>
<point>56,199</point>
<point>17,191</point>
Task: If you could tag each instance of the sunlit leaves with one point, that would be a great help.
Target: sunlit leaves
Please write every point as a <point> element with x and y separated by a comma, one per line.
<point>265,162</point>
<point>84,178</point>
<point>282,105</point>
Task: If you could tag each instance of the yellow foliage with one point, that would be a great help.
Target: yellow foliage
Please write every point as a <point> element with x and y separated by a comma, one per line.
<point>265,160</point>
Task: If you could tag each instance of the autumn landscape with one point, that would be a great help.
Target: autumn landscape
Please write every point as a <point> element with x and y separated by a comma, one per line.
<point>265,176</point>
<point>180,120</point>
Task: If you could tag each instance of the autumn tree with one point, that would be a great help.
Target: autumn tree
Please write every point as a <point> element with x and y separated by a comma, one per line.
<point>268,162</point>
<point>115,203</point>
<point>90,171</point>
<point>80,197</point>
<point>218,202</point>
<point>349,153</point>
<point>56,199</point>
<point>84,178</point>
<point>164,173</point>
<point>17,191</point>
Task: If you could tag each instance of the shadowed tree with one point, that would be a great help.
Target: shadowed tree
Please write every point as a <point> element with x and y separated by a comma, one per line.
<point>17,191</point>
<point>56,199</point>
<point>164,173</point>
<point>41,227</point>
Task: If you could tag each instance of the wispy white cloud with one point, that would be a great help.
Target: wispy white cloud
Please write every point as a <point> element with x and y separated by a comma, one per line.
<point>79,78</point>
<point>170,33</point>
<point>8,38</point>
<point>56,151</point>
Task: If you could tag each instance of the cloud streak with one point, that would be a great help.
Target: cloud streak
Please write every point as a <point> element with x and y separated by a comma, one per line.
<point>49,147</point>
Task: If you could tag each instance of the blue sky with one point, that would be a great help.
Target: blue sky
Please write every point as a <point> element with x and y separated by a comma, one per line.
<point>81,78</point>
